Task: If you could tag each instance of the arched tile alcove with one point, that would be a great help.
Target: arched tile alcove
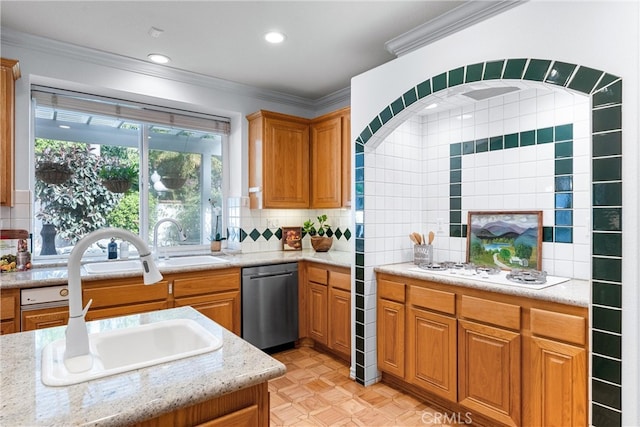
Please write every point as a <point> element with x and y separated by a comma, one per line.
<point>605,92</point>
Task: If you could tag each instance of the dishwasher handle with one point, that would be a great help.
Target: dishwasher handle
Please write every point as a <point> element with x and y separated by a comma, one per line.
<point>276,274</point>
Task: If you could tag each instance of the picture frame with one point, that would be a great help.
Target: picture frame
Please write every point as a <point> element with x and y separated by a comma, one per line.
<point>505,239</point>
<point>291,238</point>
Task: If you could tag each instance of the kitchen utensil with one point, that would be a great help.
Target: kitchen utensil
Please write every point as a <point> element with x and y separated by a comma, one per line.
<point>417,237</point>
<point>413,239</point>
<point>431,237</point>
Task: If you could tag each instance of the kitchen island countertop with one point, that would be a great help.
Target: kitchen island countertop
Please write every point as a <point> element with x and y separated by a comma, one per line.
<point>130,397</point>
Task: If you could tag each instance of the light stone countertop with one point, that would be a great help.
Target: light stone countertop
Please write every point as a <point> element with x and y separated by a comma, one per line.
<point>572,292</point>
<point>57,274</point>
<point>129,397</point>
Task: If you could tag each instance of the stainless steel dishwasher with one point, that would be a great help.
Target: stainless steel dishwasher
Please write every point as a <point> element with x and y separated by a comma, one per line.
<point>270,305</point>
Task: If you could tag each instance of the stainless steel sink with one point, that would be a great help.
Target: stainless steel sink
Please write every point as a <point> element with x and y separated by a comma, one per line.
<point>123,350</point>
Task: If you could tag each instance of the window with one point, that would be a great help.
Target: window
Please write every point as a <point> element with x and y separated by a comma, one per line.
<point>175,160</point>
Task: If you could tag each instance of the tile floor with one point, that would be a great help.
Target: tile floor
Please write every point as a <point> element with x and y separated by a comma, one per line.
<point>317,391</point>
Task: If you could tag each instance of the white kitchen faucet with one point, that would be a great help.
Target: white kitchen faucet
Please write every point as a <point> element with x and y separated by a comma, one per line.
<point>183,236</point>
<point>77,356</point>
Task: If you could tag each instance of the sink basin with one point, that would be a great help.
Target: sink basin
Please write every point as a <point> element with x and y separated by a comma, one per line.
<point>113,267</point>
<point>128,349</point>
<point>191,261</point>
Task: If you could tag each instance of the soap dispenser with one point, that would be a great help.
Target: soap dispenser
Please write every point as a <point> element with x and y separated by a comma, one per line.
<point>112,249</point>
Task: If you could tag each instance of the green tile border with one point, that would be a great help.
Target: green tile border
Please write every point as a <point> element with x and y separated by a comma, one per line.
<point>605,91</point>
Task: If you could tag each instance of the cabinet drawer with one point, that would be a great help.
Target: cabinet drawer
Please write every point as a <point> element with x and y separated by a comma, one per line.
<point>551,324</point>
<point>442,301</point>
<point>390,290</point>
<point>317,275</point>
<point>340,280</point>
<point>493,312</point>
<point>107,296</point>
<point>7,308</point>
<point>215,282</point>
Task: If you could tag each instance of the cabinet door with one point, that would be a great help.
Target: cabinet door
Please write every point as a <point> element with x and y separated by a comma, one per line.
<point>431,352</point>
<point>489,371</point>
<point>9,72</point>
<point>558,384</point>
<point>318,312</point>
<point>223,308</point>
<point>390,329</point>
<point>326,163</point>
<point>285,164</point>
<point>9,311</point>
<point>340,320</point>
<point>44,318</point>
<point>346,158</point>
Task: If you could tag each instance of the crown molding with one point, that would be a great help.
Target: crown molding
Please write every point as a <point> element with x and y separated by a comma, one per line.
<point>105,59</point>
<point>463,16</point>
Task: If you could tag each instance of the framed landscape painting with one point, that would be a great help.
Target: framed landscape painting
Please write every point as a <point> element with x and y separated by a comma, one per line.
<point>505,240</point>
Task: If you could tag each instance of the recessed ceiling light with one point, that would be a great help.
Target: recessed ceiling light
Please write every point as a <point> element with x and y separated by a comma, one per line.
<point>274,37</point>
<point>158,58</point>
<point>64,127</point>
<point>431,106</point>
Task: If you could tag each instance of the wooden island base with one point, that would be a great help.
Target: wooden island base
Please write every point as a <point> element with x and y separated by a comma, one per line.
<point>247,407</point>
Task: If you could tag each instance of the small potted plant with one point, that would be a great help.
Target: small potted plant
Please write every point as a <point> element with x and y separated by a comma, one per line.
<point>216,236</point>
<point>319,241</point>
<point>118,178</point>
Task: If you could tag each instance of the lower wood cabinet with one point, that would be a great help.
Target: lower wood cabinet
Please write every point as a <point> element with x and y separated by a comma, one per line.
<point>489,371</point>
<point>9,311</point>
<point>44,318</point>
<point>326,307</point>
<point>510,361</point>
<point>215,293</point>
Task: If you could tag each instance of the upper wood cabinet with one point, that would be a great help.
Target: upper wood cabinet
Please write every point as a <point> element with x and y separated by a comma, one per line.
<point>299,163</point>
<point>9,73</point>
<point>331,160</point>
<point>278,161</point>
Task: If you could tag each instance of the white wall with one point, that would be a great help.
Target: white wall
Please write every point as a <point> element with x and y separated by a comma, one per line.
<point>602,35</point>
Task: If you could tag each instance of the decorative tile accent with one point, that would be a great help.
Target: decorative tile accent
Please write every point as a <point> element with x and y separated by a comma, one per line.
<point>606,95</point>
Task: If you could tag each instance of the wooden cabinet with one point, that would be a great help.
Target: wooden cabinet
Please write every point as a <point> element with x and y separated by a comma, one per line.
<point>390,326</point>
<point>44,318</point>
<point>508,360</point>
<point>326,308</point>
<point>246,407</point>
<point>331,160</point>
<point>299,163</point>
<point>489,359</point>
<point>9,73</point>
<point>318,294</point>
<point>431,341</point>
<point>9,311</point>
<point>278,161</point>
<point>215,293</point>
<point>558,369</point>
<point>339,311</point>
<point>121,297</point>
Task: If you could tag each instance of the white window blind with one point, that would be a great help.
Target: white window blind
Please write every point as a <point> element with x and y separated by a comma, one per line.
<point>127,110</point>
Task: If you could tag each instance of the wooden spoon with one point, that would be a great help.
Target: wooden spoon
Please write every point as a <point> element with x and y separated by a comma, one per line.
<point>413,238</point>
<point>417,237</point>
<point>431,237</point>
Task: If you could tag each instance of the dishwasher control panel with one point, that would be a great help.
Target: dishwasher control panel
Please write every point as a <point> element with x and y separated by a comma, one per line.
<point>44,295</point>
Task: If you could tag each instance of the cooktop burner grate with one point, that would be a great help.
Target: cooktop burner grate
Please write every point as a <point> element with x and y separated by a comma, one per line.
<point>533,277</point>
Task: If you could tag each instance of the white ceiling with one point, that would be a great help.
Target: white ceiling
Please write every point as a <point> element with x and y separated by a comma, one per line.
<point>328,42</point>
